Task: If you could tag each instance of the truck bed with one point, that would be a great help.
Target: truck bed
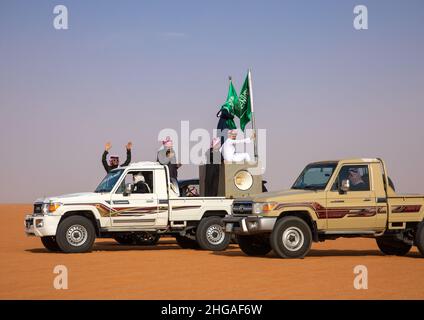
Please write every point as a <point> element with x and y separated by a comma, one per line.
<point>405,207</point>
<point>193,208</point>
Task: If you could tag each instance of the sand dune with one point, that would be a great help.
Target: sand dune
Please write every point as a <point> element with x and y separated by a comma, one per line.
<point>113,271</point>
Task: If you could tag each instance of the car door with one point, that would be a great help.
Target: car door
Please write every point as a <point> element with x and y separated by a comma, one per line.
<point>139,208</point>
<point>356,208</point>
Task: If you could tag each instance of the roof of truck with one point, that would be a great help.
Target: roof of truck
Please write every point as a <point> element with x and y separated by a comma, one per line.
<point>145,164</point>
<point>348,160</point>
<point>360,160</point>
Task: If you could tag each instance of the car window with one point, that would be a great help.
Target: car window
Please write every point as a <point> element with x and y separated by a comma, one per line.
<point>315,176</point>
<point>109,181</point>
<point>358,176</point>
<point>141,182</point>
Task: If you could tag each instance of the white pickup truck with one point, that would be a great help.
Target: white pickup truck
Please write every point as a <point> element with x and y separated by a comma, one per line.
<point>131,213</point>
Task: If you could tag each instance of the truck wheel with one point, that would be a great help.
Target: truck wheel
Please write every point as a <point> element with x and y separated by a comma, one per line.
<point>419,238</point>
<point>392,247</point>
<point>254,245</point>
<point>146,238</point>
<point>50,244</point>
<point>75,234</point>
<point>291,238</point>
<point>124,239</point>
<point>210,234</point>
<point>186,243</point>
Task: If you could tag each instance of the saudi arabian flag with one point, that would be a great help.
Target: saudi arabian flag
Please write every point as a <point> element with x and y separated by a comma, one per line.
<point>230,105</point>
<point>232,99</point>
<point>243,110</point>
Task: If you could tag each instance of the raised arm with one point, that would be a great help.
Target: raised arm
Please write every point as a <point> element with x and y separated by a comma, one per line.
<point>128,161</point>
<point>105,153</point>
<point>247,140</point>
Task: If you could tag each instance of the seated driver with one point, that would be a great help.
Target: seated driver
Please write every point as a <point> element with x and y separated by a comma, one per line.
<point>140,185</point>
<point>356,181</point>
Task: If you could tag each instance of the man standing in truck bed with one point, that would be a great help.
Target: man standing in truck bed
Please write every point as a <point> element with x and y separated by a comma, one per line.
<point>166,156</point>
<point>114,159</point>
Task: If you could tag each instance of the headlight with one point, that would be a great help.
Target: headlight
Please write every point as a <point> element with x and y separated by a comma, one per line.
<point>263,207</point>
<point>50,207</point>
<point>243,180</point>
<point>257,208</point>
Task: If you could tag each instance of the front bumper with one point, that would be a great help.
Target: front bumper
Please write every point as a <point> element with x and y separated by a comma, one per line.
<point>41,226</point>
<point>248,225</point>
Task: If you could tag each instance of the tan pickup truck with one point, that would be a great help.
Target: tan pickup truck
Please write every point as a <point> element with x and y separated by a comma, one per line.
<point>330,199</point>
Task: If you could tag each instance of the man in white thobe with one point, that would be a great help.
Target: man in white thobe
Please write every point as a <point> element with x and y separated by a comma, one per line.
<point>228,149</point>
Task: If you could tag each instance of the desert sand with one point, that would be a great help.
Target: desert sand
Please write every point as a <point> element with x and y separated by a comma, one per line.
<point>113,271</point>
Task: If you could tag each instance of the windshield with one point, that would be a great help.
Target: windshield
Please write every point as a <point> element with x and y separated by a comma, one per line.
<point>109,181</point>
<point>315,176</point>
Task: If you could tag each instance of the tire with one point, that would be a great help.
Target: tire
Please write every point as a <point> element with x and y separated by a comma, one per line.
<point>419,238</point>
<point>291,238</point>
<point>75,234</point>
<point>392,247</point>
<point>124,239</point>
<point>146,238</point>
<point>50,243</point>
<point>210,234</point>
<point>254,245</point>
<point>186,243</point>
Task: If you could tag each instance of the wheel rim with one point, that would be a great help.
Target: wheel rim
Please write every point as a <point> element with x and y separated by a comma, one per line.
<point>293,239</point>
<point>76,235</point>
<point>215,234</point>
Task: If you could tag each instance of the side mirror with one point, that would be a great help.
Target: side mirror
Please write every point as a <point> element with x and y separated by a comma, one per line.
<point>345,186</point>
<point>128,189</point>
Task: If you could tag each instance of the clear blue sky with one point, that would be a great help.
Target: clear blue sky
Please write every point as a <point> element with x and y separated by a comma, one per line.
<point>126,69</point>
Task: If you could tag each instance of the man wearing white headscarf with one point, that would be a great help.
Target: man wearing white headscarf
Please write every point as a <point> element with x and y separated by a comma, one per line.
<point>140,185</point>
<point>166,156</point>
<point>228,149</point>
<point>114,159</point>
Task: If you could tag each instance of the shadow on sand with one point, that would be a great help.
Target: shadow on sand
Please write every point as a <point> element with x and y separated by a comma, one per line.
<point>320,253</point>
<point>111,246</point>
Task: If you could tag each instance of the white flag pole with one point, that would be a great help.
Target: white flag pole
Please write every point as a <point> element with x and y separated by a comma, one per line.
<point>255,142</point>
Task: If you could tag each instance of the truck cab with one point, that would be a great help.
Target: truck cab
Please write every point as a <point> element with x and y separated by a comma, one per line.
<point>330,199</point>
<point>134,205</point>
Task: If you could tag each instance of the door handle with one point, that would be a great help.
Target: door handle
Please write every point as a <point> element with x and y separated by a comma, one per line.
<point>150,200</point>
<point>367,200</point>
<point>337,201</point>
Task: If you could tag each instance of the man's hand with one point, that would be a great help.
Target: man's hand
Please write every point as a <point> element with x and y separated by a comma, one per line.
<point>108,146</point>
<point>253,137</point>
<point>129,145</point>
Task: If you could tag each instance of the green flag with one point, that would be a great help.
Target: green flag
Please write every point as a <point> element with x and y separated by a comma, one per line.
<point>243,109</point>
<point>232,99</point>
<point>230,105</point>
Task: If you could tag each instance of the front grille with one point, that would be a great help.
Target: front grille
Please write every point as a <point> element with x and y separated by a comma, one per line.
<point>37,208</point>
<point>242,207</point>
